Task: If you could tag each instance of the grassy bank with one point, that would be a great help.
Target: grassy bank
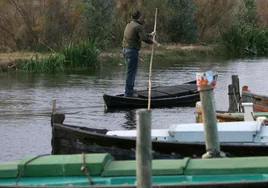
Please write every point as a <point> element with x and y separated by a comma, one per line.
<point>166,53</point>
<point>49,62</point>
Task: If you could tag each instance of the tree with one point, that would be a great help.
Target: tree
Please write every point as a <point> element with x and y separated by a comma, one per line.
<point>248,14</point>
<point>210,13</point>
<point>262,9</point>
<point>25,9</point>
<point>181,25</point>
<point>98,19</point>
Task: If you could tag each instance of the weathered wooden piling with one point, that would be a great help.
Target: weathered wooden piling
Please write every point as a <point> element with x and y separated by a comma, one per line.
<point>56,118</point>
<point>144,149</point>
<point>54,106</point>
<point>206,86</point>
<point>232,103</point>
<point>53,112</point>
<point>234,95</point>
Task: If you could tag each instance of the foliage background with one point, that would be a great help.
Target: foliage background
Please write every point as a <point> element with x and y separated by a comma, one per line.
<point>48,25</point>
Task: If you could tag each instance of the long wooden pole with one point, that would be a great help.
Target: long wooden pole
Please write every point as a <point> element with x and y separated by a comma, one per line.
<point>151,62</point>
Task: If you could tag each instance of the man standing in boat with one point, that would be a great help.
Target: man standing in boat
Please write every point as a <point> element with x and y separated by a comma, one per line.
<point>133,36</point>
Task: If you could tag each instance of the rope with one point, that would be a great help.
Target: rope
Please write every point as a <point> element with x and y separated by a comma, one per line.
<point>24,166</point>
<point>254,118</point>
<point>84,168</point>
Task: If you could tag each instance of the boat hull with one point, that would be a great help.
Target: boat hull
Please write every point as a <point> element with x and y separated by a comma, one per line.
<point>133,102</point>
<point>185,94</point>
<point>103,171</point>
<point>67,139</point>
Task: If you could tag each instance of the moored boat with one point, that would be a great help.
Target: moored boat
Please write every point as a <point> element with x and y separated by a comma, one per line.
<point>120,102</point>
<point>103,171</point>
<point>237,139</point>
<point>163,96</point>
<point>260,102</point>
<point>224,116</point>
<point>182,95</point>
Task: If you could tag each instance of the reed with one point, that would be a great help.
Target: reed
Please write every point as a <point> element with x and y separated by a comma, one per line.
<point>29,65</point>
<point>5,68</point>
<point>52,64</point>
<point>83,55</point>
<point>72,57</point>
<point>246,41</point>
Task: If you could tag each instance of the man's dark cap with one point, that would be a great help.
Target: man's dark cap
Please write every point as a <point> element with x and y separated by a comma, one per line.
<point>135,14</point>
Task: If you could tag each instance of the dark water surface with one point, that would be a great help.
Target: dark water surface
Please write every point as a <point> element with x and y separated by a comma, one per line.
<point>26,100</point>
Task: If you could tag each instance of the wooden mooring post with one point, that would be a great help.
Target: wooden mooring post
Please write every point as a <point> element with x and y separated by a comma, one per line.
<point>53,112</point>
<point>56,118</point>
<point>54,106</point>
<point>144,149</point>
<point>234,95</point>
<point>205,85</point>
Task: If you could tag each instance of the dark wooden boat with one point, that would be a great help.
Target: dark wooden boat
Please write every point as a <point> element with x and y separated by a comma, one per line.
<point>185,94</point>
<point>260,102</point>
<point>69,139</point>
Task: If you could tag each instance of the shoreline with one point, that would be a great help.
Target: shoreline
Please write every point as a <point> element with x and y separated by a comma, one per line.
<point>165,51</point>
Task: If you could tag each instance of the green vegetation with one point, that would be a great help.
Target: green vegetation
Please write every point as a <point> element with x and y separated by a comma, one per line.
<point>98,21</point>
<point>72,57</point>
<point>181,26</point>
<point>247,37</point>
<point>83,55</point>
<point>51,64</point>
<point>61,27</point>
<point>246,41</point>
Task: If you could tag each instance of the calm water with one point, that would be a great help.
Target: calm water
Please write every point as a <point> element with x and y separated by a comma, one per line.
<point>26,100</point>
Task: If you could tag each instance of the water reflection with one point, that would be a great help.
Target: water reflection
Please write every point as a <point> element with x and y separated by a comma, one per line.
<point>129,120</point>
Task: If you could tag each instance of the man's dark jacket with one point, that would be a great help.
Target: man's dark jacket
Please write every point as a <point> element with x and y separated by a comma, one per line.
<point>134,34</point>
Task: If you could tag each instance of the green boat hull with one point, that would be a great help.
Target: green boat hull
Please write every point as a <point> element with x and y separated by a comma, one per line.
<point>103,170</point>
<point>130,180</point>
